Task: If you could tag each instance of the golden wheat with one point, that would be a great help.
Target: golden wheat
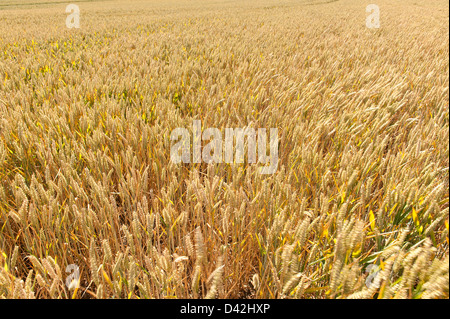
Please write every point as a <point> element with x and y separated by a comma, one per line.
<point>358,207</point>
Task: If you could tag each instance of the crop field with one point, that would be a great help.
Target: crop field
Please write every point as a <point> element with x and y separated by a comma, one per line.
<point>92,204</point>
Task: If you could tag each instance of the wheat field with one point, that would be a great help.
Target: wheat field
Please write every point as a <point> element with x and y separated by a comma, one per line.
<point>357,208</point>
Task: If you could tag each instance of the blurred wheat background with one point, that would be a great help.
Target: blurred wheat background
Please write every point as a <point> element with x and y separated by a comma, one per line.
<point>85,170</point>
